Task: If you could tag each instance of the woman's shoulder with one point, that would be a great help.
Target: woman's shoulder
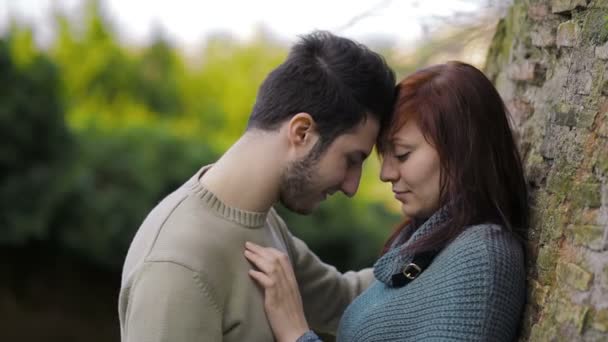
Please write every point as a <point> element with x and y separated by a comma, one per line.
<point>486,261</point>
<point>487,251</point>
<point>489,237</point>
<point>488,245</point>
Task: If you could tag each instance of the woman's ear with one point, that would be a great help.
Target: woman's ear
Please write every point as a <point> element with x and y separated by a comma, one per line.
<point>301,131</point>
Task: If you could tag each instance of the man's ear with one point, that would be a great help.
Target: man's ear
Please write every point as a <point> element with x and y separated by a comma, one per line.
<point>301,130</point>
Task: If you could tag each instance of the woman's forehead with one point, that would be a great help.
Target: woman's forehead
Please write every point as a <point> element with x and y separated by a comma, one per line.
<point>407,133</point>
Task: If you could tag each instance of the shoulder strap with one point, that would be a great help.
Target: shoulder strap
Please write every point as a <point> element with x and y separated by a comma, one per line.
<point>412,270</point>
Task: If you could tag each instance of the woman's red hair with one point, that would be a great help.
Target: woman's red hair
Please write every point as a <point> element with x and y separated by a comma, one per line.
<point>461,114</point>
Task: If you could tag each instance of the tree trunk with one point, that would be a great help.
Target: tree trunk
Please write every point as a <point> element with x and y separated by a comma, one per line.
<point>549,60</point>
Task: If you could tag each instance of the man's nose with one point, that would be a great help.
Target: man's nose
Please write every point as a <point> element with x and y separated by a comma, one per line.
<point>351,182</point>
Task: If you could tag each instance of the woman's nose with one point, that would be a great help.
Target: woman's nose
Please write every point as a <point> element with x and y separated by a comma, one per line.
<point>388,172</point>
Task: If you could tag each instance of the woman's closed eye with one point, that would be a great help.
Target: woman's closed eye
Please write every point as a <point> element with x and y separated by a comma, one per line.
<point>402,157</point>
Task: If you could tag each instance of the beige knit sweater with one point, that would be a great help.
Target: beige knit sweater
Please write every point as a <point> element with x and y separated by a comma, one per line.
<point>185,277</point>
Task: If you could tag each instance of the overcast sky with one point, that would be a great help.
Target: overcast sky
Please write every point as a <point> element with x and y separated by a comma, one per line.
<point>187,22</point>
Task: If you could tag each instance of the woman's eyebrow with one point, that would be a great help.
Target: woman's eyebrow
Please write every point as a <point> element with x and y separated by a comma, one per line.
<point>401,143</point>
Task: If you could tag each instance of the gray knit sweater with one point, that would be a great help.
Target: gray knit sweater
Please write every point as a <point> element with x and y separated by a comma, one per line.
<point>473,291</point>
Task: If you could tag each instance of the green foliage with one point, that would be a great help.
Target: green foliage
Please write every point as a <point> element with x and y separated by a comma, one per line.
<point>138,123</point>
<point>118,178</point>
<point>227,82</point>
<point>35,142</point>
<point>92,64</point>
<point>348,234</point>
<point>157,77</point>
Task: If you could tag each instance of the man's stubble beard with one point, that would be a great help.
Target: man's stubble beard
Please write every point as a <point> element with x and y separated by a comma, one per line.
<point>297,182</point>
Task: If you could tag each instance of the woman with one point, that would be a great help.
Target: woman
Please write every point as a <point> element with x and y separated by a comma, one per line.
<point>455,269</point>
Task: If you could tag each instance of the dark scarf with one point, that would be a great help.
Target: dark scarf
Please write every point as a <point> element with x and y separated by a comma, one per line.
<point>397,257</point>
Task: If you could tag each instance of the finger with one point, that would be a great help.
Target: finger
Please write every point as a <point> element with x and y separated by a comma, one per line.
<point>272,255</point>
<point>284,260</point>
<point>277,253</point>
<point>275,275</point>
<point>255,247</point>
<point>280,257</point>
<point>269,252</point>
<point>261,262</point>
<point>261,279</point>
<point>284,265</point>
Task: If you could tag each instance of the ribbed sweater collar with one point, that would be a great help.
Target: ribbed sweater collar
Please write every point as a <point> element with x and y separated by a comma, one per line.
<point>397,257</point>
<point>245,218</point>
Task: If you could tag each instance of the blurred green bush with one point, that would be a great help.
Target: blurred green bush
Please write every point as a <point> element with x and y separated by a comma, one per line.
<point>94,134</point>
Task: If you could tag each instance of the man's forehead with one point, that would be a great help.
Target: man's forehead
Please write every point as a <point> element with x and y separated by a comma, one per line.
<point>358,145</point>
<point>360,138</point>
<point>367,127</point>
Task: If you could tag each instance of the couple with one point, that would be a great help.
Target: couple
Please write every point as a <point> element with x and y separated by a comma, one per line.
<point>214,262</point>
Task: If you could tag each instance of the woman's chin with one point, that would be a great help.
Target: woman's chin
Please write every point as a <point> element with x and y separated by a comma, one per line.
<point>407,210</point>
<point>414,212</point>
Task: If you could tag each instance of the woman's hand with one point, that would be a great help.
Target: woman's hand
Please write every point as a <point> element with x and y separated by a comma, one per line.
<point>282,299</point>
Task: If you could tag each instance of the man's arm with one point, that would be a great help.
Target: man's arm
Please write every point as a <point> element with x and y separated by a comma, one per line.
<point>169,302</point>
<point>325,292</point>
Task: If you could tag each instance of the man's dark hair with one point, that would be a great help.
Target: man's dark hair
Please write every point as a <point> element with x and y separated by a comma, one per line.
<point>336,80</point>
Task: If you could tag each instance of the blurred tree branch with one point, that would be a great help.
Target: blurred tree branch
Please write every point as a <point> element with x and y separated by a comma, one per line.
<point>367,13</point>
<point>462,18</point>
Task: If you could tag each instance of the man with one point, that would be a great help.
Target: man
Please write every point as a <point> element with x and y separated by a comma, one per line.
<point>315,120</point>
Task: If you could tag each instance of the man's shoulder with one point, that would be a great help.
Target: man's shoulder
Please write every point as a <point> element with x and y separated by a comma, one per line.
<point>196,238</point>
<point>161,283</point>
<point>196,254</point>
<point>275,220</point>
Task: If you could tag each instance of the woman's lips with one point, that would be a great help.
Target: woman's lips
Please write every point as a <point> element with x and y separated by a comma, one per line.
<point>400,195</point>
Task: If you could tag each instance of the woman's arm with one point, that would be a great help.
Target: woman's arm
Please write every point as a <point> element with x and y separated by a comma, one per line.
<point>282,300</point>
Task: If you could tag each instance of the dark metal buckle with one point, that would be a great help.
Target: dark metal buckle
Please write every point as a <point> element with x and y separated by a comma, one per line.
<point>411,271</point>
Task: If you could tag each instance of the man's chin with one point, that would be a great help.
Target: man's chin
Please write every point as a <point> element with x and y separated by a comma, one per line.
<point>300,209</point>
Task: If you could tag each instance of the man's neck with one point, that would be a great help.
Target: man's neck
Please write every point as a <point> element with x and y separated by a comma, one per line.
<point>248,175</point>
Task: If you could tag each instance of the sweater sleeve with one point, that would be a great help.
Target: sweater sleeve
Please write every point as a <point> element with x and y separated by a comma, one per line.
<point>325,291</point>
<point>169,302</point>
<point>309,336</point>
